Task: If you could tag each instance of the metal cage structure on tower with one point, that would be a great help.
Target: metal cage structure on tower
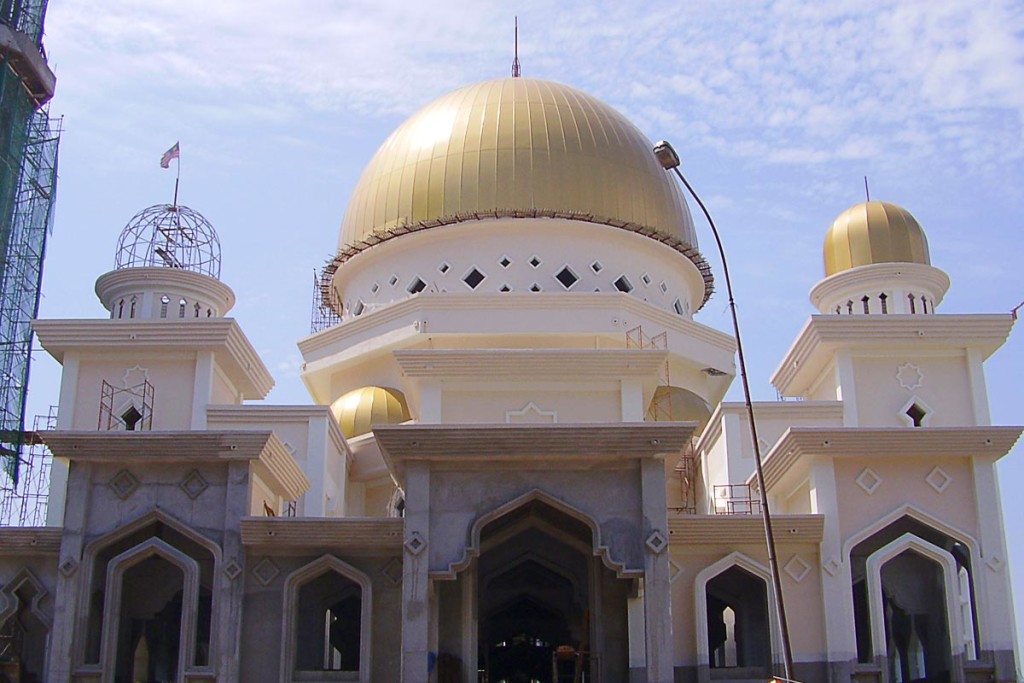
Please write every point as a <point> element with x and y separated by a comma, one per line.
<point>170,236</point>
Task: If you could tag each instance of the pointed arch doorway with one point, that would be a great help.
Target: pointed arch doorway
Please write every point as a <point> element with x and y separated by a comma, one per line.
<point>545,605</point>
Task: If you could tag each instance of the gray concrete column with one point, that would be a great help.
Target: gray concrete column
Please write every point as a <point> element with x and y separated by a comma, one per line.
<point>657,595</point>
<point>68,598</point>
<point>230,592</point>
<point>415,574</point>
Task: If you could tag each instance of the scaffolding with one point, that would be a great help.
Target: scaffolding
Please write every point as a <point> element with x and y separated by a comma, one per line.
<point>28,174</point>
<point>23,502</point>
<point>324,312</point>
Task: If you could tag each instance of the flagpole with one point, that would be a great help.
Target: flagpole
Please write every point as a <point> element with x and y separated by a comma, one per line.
<point>177,178</point>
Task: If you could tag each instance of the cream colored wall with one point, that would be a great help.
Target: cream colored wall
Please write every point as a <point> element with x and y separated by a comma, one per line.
<point>944,388</point>
<point>223,392</point>
<point>903,481</point>
<point>261,493</point>
<point>172,377</point>
<point>485,405</point>
<point>798,501</point>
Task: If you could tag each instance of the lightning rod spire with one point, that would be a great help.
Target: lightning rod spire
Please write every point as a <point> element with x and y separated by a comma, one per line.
<point>515,59</point>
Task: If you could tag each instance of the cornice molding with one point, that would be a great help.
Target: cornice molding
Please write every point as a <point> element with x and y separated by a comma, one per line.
<point>585,364</point>
<point>689,530</point>
<point>381,535</point>
<point>38,540</point>
<point>223,336</point>
<point>799,444</point>
<point>822,335</point>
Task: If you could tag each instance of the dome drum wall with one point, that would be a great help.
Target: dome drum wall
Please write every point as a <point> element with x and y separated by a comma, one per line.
<point>520,255</point>
<point>523,149</point>
<point>908,288</point>
<point>163,293</point>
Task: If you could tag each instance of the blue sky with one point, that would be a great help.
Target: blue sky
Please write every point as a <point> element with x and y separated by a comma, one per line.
<point>778,109</point>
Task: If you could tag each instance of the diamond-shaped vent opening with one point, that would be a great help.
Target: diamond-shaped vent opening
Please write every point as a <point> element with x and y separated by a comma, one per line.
<point>623,284</point>
<point>917,414</point>
<point>416,286</point>
<point>359,308</point>
<point>646,278</point>
<point>596,266</point>
<point>443,268</point>
<point>131,418</point>
<point>534,261</point>
<point>664,288</point>
<point>678,307</point>
<point>566,277</point>
<point>505,288</point>
<point>535,287</point>
<point>374,288</point>
<point>505,262</point>
<point>393,280</point>
<point>473,278</point>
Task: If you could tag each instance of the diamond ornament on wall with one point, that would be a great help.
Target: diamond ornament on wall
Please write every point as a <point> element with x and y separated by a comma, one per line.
<point>123,484</point>
<point>938,479</point>
<point>868,480</point>
<point>831,565</point>
<point>415,544</point>
<point>392,570</point>
<point>797,568</point>
<point>265,571</point>
<point>656,542</point>
<point>193,484</point>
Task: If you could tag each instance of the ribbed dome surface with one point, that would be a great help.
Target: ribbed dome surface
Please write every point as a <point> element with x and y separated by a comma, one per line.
<point>360,409</point>
<point>515,145</point>
<point>874,232</point>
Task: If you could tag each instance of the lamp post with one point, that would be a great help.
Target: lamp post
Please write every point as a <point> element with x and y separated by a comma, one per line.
<point>669,160</point>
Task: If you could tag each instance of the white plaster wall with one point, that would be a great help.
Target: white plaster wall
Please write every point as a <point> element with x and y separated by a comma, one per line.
<point>945,388</point>
<point>484,405</point>
<point>171,375</point>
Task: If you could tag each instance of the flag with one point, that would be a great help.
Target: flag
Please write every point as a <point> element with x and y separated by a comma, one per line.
<point>173,153</point>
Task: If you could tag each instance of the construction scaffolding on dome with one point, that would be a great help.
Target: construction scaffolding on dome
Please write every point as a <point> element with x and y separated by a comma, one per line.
<point>25,503</point>
<point>28,175</point>
<point>25,16</point>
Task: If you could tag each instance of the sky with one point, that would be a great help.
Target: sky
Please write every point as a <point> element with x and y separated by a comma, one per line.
<point>778,110</point>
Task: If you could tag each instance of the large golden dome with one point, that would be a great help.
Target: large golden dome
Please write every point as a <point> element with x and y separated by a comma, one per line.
<point>515,147</point>
<point>874,232</point>
<point>360,409</point>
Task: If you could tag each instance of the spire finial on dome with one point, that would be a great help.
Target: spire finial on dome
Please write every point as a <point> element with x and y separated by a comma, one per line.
<point>515,58</point>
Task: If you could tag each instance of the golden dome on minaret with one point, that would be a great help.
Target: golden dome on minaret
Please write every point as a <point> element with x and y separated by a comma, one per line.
<point>874,232</point>
<point>516,147</point>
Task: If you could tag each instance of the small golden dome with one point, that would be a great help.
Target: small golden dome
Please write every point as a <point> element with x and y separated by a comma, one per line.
<point>360,409</point>
<point>675,404</point>
<point>516,147</point>
<point>874,232</point>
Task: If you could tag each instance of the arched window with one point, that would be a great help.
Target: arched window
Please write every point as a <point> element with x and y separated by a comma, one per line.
<point>327,620</point>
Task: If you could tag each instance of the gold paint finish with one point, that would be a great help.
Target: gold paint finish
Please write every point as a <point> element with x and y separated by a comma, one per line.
<point>360,409</point>
<point>874,232</point>
<point>511,147</point>
<point>675,404</point>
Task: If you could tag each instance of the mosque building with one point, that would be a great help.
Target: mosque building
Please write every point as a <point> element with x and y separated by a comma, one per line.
<point>517,464</point>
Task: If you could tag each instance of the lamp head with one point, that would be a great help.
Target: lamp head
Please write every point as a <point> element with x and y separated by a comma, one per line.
<point>666,155</point>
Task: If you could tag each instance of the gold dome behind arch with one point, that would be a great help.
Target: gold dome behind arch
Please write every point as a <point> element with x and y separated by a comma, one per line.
<point>360,409</point>
<point>874,232</point>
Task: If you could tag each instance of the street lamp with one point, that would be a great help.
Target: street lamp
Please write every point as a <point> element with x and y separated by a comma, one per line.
<point>669,160</point>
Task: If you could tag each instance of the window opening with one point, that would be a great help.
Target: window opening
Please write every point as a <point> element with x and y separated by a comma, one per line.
<point>443,268</point>
<point>131,418</point>
<point>738,627</point>
<point>374,288</point>
<point>678,306</point>
<point>181,308</point>
<point>360,307</point>
<point>473,278</point>
<point>416,286</point>
<point>164,300</point>
<point>849,306</point>
<point>329,624</point>
<point>916,414</point>
<point>646,279</point>
<point>884,301</point>
<point>596,267</point>
<point>566,277</point>
<point>535,287</point>
<point>196,308</point>
<point>505,288</point>
<point>664,288</point>
<point>131,313</point>
<point>924,304</point>
<point>120,309</point>
<point>505,262</point>
<point>867,303</point>
<point>912,307</point>
<point>534,261</point>
<point>393,280</point>
<point>623,284</point>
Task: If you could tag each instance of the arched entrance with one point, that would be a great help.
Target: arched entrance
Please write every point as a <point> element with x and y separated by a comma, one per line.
<point>540,590</point>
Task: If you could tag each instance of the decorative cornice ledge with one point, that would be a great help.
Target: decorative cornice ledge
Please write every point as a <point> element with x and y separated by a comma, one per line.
<point>823,334</point>
<point>689,530</point>
<point>263,448</point>
<point>379,535</point>
<point>799,443</point>
<point>223,336</point>
<point>579,363</point>
<point>30,540</point>
<point>537,443</point>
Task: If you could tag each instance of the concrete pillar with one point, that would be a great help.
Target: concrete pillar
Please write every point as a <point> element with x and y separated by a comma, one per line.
<point>657,593</point>
<point>202,389</point>
<point>229,592</point>
<point>415,574</point>
<point>637,631</point>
